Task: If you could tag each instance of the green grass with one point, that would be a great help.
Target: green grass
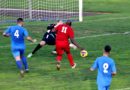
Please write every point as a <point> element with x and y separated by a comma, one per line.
<point>107,6</point>
<point>43,75</point>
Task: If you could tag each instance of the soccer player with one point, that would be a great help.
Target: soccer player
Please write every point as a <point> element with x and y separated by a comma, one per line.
<point>48,39</point>
<point>106,69</point>
<point>17,34</point>
<point>64,32</point>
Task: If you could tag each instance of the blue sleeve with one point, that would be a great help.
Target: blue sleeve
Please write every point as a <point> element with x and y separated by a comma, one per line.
<point>113,67</point>
<point>25,33</point>
<point>8,30</point>
<point>95,64</point>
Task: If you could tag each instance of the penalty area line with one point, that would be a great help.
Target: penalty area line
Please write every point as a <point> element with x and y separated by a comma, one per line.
<point>100,35</point>
<point>92,36</point>
<point>123,89</point>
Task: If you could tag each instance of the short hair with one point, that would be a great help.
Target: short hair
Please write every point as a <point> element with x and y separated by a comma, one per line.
<point>50,26</point>
<point>107,48</point>
<point>20,20</point>
<point>68,22</point>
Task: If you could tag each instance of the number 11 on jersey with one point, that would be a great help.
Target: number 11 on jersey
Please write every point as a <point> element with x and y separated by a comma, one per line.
<point>64,29</point>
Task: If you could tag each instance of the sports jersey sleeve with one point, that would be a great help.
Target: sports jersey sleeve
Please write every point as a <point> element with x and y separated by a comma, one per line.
<point>8,30</point>
<point>95,64</point>
<point>25,33</point>
<point>113,67</point>
<point>57,27</point>
<point>71,33</point>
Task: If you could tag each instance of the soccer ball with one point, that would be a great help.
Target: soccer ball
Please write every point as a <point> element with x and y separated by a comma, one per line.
<point>83,53</point>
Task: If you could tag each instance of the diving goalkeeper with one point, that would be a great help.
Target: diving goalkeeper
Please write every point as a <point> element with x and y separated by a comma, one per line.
<point>48,39</point>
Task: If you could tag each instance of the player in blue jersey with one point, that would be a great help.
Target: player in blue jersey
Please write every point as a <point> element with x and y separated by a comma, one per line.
<point>17,34</point>
<point>106,69</point>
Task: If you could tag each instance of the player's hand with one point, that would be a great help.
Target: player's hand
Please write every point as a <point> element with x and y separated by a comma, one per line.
<point>34,40</point>
<point>81,49</point>
<point>6,35</point>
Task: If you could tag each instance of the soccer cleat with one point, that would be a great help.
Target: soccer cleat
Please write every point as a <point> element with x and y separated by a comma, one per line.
<point>22,73</point>
<point>30,55</point>
<point>58,66</point>
<point>73,67</point>
<point>27,71</point>
<point>54,52</point>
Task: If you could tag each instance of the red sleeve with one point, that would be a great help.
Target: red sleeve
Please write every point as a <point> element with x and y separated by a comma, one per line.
<point>56,27</point>
<point>71,33</point>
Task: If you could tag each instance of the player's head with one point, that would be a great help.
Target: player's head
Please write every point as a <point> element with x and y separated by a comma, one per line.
<point>68,22</point>
<point>107,49</point>
<point>20,21</point>
<point>50,26</point>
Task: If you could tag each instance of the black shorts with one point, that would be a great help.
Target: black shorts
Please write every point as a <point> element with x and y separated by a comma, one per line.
<point>49,38</point>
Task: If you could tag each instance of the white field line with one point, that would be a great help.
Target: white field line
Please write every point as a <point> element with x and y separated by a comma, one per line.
<point>93,36</point>
<point>123,89</point>
<point>105,19</point>
<point>108,34</point>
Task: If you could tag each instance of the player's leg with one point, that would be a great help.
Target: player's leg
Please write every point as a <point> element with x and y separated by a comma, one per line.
<point>59,56</point>
<point>41,44</point>
<point>24,60</point>
<point>69,56</point>
<point>100,87</point>
<point>107,87</point>
<point>16,54</point>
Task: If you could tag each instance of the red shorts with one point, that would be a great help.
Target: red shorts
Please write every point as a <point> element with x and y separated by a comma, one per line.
<point>62,46</point>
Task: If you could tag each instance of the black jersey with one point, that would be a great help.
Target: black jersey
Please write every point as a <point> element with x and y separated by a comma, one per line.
<point>49,37</point>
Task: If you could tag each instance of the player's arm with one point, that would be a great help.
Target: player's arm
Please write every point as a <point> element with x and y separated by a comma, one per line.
<point>71,35</point>
<point>94,66</point>
<point>75,43</point>
<point>6,33</point>
<point>57,25</point>
<point>28,37</point>
<point>113,69</point>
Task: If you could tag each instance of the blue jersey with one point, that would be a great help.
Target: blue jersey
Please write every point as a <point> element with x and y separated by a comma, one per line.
<point>17,34</point>
<point>106,67</point>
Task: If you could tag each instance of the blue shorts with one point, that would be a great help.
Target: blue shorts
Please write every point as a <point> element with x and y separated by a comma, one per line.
<point>103,87</point>
<point>18,52</point>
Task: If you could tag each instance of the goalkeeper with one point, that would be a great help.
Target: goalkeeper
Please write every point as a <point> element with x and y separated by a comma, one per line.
<point>48,39</point>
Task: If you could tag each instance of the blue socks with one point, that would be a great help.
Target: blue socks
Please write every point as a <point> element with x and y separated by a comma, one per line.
<point>19,64</point>
<point>24,60</point>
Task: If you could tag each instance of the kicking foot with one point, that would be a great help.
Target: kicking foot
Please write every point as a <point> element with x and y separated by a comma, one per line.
<point>22,73</point>
<point>73,67</point>
<point>58,66</point>
<point>30,55</point>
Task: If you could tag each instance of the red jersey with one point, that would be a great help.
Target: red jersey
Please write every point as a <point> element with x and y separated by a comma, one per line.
<point>64,32</point>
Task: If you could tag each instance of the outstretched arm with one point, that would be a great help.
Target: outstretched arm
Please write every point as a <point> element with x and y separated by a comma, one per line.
<point>31,40</point>
<point>76,44</point>
<point>6,35</point>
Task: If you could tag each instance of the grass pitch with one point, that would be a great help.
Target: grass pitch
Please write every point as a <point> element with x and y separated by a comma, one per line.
<point>93,34</point>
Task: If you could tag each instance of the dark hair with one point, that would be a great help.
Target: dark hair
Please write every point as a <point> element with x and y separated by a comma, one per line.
<point>50,26</point>
<point>20,20</point>
<point>68,22</point>
<point>107,48</point>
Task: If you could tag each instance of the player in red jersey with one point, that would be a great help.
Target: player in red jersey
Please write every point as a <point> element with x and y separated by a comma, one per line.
<point>64,32</point>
